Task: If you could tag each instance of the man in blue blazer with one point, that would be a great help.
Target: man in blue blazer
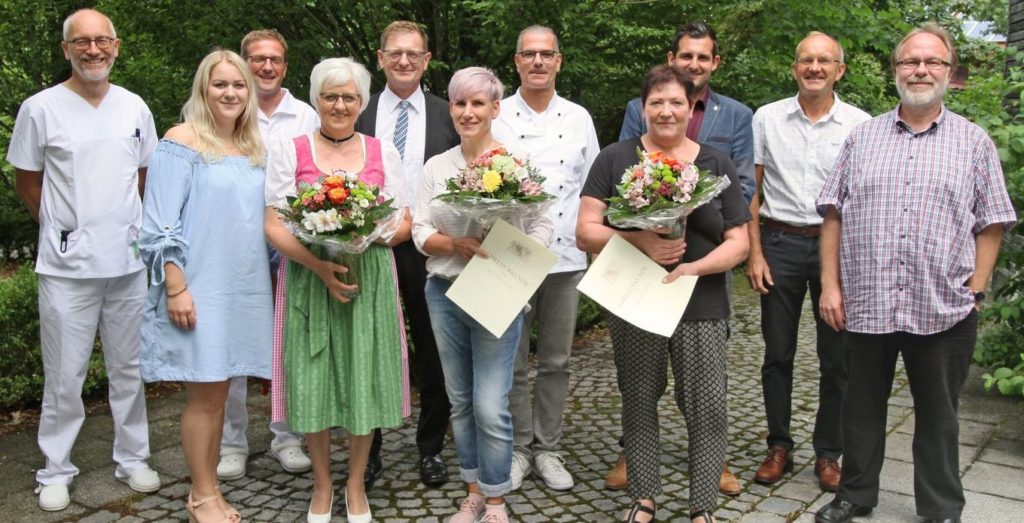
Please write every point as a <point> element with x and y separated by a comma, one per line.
<point>718,121</point>
<point>424,130</point>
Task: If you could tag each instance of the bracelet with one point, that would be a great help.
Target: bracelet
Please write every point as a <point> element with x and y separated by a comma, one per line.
<point>183,289</point>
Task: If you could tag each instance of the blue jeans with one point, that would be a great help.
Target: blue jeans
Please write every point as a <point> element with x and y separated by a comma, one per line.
<point>478,371</point>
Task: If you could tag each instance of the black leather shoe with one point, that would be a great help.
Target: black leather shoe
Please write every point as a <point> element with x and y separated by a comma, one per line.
<point>840,511</point>
<point>373,469</point>
<point>433,472</point>
<point>942,520</point>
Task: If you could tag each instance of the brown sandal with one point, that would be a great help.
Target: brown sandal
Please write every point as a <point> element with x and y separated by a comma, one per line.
<point>233,514</point>
<point>636,510</point>
<point>191,506</point>
<point>705,515</point>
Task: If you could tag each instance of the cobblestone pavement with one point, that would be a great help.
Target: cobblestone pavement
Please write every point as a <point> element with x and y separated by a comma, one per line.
<point>991,457</point>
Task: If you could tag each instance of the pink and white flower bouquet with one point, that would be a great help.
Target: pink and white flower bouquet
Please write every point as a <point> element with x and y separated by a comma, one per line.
<point>660,192</point>
<point>496,185</point>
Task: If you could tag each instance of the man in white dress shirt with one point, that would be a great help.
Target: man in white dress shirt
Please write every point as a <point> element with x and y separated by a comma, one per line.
<point>558,137</point>
<point>796,141</point>
<point>281,116</point>
<point>79,151</point>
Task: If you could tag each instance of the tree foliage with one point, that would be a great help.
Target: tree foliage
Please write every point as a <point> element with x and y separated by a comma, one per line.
<point>607,47</point>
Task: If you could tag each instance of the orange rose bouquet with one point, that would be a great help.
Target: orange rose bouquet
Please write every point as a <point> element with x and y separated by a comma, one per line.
<point>342,214</point>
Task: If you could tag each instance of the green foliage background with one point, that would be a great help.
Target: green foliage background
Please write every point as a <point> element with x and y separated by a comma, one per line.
<point>607,46</point>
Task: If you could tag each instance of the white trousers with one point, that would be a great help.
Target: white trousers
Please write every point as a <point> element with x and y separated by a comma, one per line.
<point>70,310</point>
<point>236,421</point>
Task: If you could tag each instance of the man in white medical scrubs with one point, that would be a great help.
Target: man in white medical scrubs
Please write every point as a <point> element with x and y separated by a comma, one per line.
<point>79,150</point>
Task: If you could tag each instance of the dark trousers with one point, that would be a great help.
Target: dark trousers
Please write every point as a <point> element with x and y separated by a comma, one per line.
<point>937,366</point>
<point>435,410</point>
<point>793,262</point>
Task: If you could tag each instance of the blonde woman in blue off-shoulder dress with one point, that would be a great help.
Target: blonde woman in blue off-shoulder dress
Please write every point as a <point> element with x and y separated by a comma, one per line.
<point>209,315</point>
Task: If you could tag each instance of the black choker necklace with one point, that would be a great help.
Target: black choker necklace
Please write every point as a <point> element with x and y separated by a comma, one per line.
<point>336,141</point>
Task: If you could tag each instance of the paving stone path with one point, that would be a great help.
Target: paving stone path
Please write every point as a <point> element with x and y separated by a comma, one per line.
<point>991,456</point>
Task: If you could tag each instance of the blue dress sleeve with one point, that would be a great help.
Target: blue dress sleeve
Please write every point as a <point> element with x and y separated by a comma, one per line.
<point>168,183</point>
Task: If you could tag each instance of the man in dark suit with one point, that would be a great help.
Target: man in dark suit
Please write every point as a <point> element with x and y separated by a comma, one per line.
<point>420,126</point>
<point>717,121</point>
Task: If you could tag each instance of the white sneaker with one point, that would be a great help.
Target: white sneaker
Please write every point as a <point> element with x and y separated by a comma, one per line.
<point>551,468</point>
<point>232,464</point>
<point>521,468</point>
<point>144,480</point>
<point>291,457</point>
<point>53,497</point>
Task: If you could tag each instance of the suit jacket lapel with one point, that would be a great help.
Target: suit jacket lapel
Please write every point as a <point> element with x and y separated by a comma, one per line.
<point>367,122</point>
<point>711,112</point>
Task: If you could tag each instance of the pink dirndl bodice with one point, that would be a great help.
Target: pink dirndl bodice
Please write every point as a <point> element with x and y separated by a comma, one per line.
<point>306,171</point>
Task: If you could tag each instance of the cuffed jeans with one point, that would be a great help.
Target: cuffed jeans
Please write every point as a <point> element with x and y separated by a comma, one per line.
<point>478,377</point>
<point>793,262</point>
<point>538,426</point>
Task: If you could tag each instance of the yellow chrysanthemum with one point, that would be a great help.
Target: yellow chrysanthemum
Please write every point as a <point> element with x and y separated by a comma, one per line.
<point>492,180</point>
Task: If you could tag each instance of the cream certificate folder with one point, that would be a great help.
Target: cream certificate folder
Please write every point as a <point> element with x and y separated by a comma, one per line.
<point>628,283</point>
<point>494,290</point>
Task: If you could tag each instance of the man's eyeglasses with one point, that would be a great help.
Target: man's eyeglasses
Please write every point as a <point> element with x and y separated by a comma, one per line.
<point>347,99</point>
<point>822,60</point>
<point>545,56</point>
<point>395,55</point>
<point>102,42</point>
<point>276,61</point>
<point>933,64</point>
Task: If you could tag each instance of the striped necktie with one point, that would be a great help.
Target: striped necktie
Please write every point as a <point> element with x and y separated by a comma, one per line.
<point>402,127</point>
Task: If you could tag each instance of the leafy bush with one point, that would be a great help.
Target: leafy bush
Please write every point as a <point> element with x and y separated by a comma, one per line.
<point>589,316</point>
<point>1003,321</point>
<point>21,364</point>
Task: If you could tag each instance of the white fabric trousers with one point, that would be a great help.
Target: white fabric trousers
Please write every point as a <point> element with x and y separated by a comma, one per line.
<point>70,310</point>
<point>236,421</point>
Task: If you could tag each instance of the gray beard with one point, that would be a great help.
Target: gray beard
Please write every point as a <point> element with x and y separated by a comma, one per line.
<point>92,75</point>
<point>914,99</point>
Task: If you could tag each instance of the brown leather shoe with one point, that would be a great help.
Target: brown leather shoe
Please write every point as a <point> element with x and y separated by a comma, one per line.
<point>727,483</point>
<point>778,462</point>
<point>828,472</point>
<point>616,478</point>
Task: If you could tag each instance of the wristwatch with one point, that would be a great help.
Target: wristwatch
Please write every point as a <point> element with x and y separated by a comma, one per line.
<point>979,297</point>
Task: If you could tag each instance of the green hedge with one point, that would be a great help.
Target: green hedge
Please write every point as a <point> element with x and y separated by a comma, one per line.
<point>21,364</point>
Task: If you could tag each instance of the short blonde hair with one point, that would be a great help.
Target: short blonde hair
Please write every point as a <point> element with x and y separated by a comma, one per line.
<point>403,26</point>
<point>471,80</point>
<point>842,54</point>
<point>932,28</point>
<point>263,34</point>
<point>196,111</point>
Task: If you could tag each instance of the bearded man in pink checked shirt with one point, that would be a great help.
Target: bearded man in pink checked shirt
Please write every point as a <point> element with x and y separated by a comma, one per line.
<point>914,210</point>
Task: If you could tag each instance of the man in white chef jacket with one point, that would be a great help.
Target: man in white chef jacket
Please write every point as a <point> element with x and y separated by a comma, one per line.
<point>558,137</point>
<point>281,116</point>
<point>79,150</point>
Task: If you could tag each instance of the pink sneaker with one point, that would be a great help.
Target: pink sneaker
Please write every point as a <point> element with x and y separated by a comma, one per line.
<point>470,511</point>
<point>495,514</point>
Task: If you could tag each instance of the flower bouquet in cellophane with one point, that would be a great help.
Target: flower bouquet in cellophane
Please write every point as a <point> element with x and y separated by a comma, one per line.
<point>496,185</point>
<point>661,192</point>
<point>342,214</point>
